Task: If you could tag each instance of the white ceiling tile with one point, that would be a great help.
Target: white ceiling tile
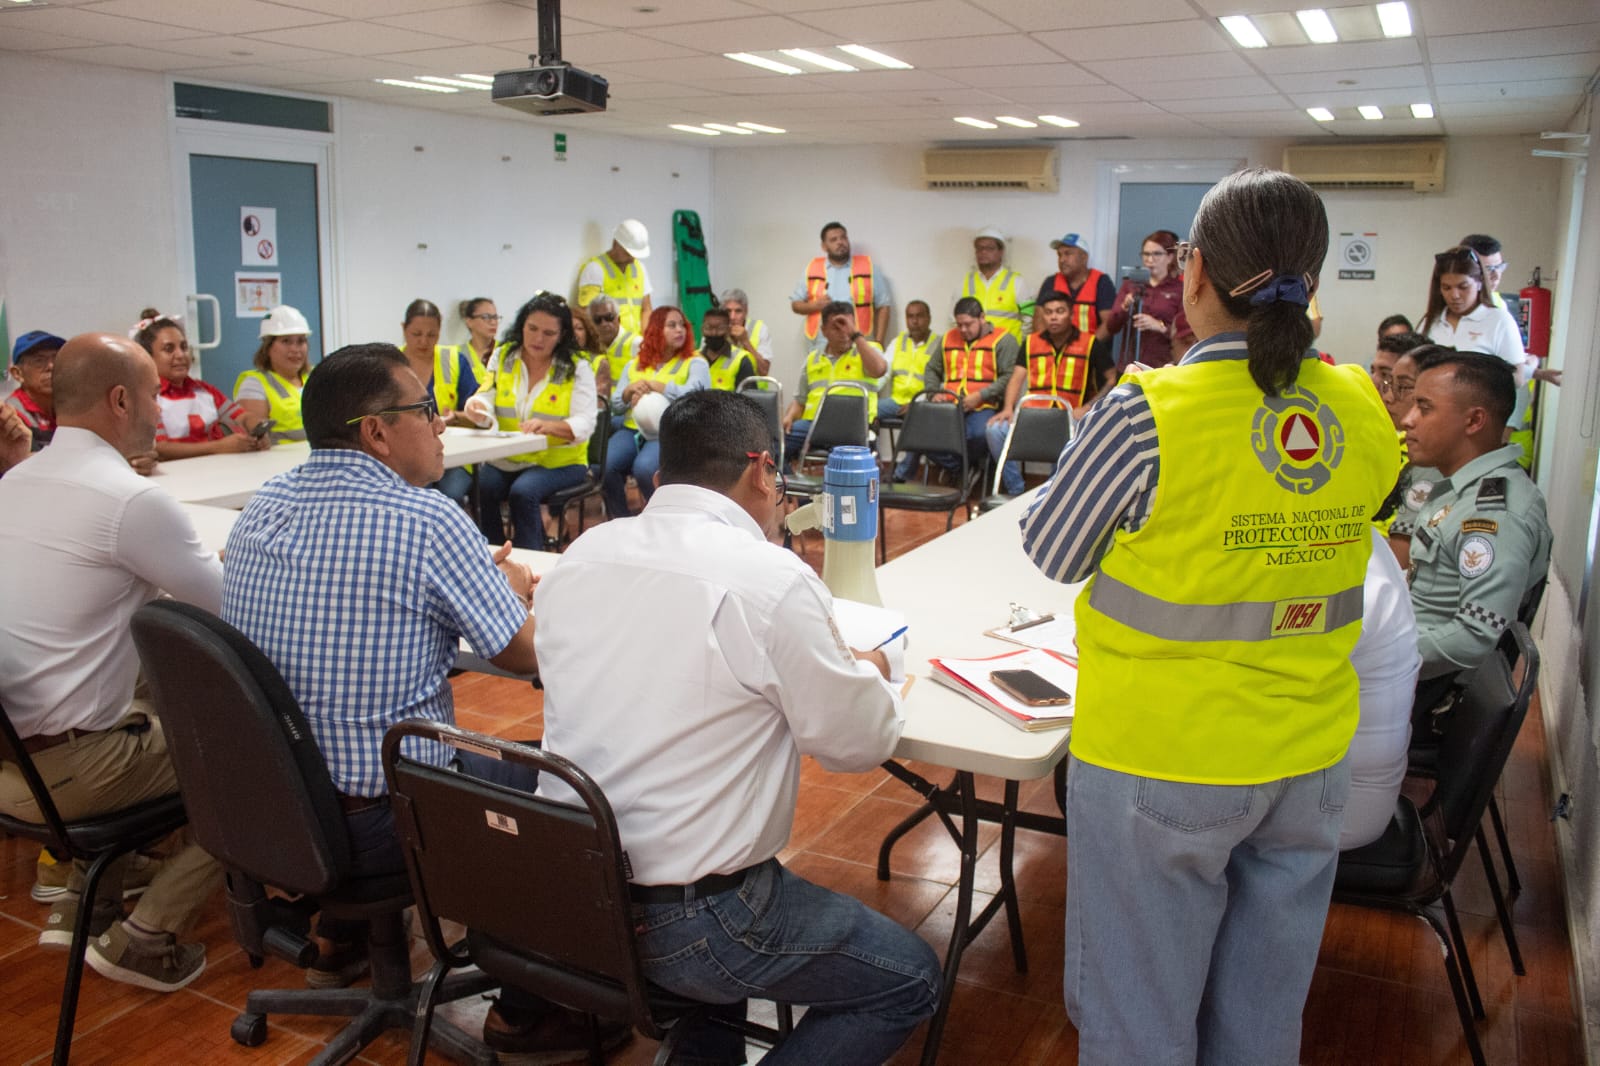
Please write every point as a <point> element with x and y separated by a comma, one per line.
<point>1134,74</point>
<point>1008,76</point>
<point>1165,88</point>
<point>997,50</point>
<point>632,14</point>
<point>350,68</point>
<point>1033,15</point>
<point>1190,105</point>
<point>1341,80</point>
<point>1061,101</point>
<point>1394,97</point>
<point>1572,66</point>
<point>215,16</point>
<point>1346,55</point>
<point>1560,88</point>
<point>21,39</point>
<point>228,50</point>
<point>596,50</point>
<point>1511,44</point>
<point>1490,16</point>
<point>1135,42</point>
<point>353,38</point>
<point>1250,124</point>
<point>487,23</point>
<point>872,81</point>
<point>367,9</point>
<point>918,19</point>
<point>139,57</point>
<point>94,27</point>
<point>254,74</point>
<point>764,33</point>
<point>462,59</point>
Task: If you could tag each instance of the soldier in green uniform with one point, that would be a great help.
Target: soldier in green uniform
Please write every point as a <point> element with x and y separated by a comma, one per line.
<point>1482,541</point>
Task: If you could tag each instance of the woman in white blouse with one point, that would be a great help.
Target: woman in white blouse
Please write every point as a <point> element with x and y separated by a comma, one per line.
<point>1462,316</point>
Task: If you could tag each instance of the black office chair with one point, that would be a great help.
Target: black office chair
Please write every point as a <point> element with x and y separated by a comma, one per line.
<point>98,841</point>
<point>842,418</point>
<point>1040,428</point>
<point>560,501</point>
<point>930,427</point>
<point>267,811</point>
<point>560,924</point>
<point>1412,866</point>
<point>768,392</point>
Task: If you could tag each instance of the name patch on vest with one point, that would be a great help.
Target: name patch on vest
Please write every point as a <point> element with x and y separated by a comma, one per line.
<point>1293,617</point>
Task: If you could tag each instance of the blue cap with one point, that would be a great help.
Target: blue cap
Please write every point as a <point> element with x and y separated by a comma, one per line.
<point>1070,240</point>
<point>32,340</point>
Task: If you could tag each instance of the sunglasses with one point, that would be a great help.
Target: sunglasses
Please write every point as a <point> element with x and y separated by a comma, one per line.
<point>426,405</point>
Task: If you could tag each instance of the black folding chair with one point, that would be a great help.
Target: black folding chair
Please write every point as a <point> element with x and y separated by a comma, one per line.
<point>1412,866</point>
<point>841,419</point>
<point>930,427</point>
<point>559,922</point>
<point>99,841</point>
<point>768,392</point>
<point>1040,428</point>
<point>560,501</point>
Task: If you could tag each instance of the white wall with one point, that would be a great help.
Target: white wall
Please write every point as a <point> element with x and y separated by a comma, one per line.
<point>770,204</point>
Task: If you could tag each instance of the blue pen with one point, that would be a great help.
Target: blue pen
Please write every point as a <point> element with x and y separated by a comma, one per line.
<point>892,636</point>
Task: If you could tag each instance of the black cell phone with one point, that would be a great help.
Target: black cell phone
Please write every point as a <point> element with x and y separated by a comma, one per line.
<point>262,428</point>
<point>1030,688</point>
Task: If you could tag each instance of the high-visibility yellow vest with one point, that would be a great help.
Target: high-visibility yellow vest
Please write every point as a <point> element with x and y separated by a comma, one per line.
<point>283,402</point>
<point>620,353</point>
<point>970,367</point>
<point>725,370</point>
<point>674,371</point>
<point>1056,372</point>
<point>553,401</point>
<point>823,370</point>
<point>625,285</point>
<point>998,295</point>
<point>1214,644</point>
<point>860,292</point>
<point>447,375</point>
<point>908,361</point>
<point>479,366</point>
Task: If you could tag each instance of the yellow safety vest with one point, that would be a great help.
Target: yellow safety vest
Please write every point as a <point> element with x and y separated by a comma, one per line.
<point>823,370</point>
<point>1214,644</point>
<point>554,401</point>
<point>620,353</point>
<point>908,361</point>
<point>479,366</point>
<point>725,370</point>
<point>447,375</point>
<point>283,402</point>
<point>674,371</point>
<point>999,298</point>
<point>625,285</point>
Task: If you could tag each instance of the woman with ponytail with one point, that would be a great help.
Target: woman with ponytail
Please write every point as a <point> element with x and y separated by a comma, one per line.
<point>1219,509</point>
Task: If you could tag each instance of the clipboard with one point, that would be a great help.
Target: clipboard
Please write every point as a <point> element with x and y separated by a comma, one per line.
<point>1048,632</point>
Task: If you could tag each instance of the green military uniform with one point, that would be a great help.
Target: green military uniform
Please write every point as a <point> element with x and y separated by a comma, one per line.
<point>1484,543</point>
<point>1412,493</point>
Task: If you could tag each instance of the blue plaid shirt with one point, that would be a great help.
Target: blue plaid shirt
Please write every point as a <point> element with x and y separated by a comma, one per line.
<point>358,587</point>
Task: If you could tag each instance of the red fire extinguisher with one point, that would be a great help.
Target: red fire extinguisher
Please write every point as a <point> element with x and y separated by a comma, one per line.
<point>1535,315</point>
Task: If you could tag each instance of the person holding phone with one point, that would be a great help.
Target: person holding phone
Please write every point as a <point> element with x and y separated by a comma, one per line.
<point>197,418</point>
<point>272,388</point>
<point>1219,510</point>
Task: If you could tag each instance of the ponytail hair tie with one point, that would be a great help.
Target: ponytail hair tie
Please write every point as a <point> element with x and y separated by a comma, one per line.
<point>146,323</point>
<point>1285,288</point>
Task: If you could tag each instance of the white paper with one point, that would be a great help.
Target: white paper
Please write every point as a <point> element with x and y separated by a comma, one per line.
<point>864,625</point>
<point>1058,634</point>
<point>256,293</point>
<point>976,673</point>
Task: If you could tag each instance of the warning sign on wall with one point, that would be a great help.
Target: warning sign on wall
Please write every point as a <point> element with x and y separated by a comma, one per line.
<point>258,236</point>
<point>1358,252</point>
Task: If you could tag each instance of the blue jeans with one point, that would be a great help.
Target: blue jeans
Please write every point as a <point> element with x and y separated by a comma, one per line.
<point>527,490</point>
<point>795,439</point>
<point>1011,473</point>
<point>456,484</point>
<point>887,408</point>
<point>976,423</point>
<point>629,453</point>
<point>1194,914</point>
<point>868,981</point>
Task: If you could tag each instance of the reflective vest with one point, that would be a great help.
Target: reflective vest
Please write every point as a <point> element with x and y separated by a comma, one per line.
<point>823,370</point>
<point>1057,372</point>
<point>1214,643</point>
<point>673,371</point>
<point>908,361</point>
<point>860,291</point>
<point>447,376</point>
<point>1085,313</point>
<point>725,370</point>
<point>621,352</point>
<point>970,368</point>
<point>999,298</point>
<point>625,285</point>
<point>553,401</point>
<point>283,403</point>
<point>479,366</point>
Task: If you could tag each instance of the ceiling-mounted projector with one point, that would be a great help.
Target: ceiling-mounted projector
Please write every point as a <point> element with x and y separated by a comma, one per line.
<point>551,86</point>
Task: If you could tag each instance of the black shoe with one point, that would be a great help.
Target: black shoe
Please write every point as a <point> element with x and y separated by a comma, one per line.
<point>338,965</point>
<point>554,1037</point>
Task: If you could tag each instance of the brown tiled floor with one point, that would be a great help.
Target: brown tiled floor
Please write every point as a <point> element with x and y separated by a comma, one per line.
<point>1379,995</point>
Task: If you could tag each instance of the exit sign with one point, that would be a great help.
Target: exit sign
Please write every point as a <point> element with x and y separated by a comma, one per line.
<point>561,148</point>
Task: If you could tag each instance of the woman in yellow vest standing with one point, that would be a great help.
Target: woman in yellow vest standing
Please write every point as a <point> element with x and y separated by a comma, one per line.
<point>1219,509</point>
<point>534,384</point>
<point>272,389</point>
<point>667,364</point>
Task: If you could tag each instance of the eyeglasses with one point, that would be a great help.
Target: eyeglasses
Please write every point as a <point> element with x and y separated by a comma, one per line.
<point>766,457</point>
<point>427,406</point>
<point>1496,268</point>
<point>1157,254</point>
<point>485,318</point>
<point>1450,255</point>
<point>603,318</point>
<point>1185,250</point>
<point>1402,390</point>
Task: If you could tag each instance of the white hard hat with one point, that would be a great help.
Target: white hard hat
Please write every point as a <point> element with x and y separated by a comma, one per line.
<point>633,237</point>
<point>284,321</point>
<point>991,233</point>
<point>647,411</point>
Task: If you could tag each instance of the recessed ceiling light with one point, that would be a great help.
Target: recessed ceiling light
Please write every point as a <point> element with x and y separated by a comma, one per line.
<point>805,55</point>
<point>695,129</point>
<point>725,128</point>
<point>1421,110</point>
<point>977,123</point>
<point>1241,29</point>
<point>759,128</point>
<point>1020,123</point>
<point>486,79</point>
<point>1057,120</point>
<point>1318,26</point>
<point>455,83</point>
<point>1321,114</point>
<point>403,84</point>
<point>763,62</point>
<point>1370,113</point>
<point>1395,19</point>
<point>871,55</point>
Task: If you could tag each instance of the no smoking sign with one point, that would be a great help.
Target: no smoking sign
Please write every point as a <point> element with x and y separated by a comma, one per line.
<point>1358,252</point>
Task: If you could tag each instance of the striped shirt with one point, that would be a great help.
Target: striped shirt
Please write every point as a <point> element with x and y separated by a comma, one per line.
<point>358,587</point>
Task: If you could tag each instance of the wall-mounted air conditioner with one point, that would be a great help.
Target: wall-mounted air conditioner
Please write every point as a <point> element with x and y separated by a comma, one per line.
<point>1031,168</point>
<point>1417,165</point>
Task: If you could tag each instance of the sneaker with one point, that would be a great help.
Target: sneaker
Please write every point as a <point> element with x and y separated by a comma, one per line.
<point>51,876</point>
<point>161,964</point>
<point>64,915</point>
<point>338,965</point>
<point>554,1037</point>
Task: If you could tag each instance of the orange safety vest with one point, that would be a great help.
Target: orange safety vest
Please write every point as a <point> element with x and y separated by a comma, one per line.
<point>1062,373</point>
<point>860,292</point>
<point>970,368</point>
<point>1085,313</point>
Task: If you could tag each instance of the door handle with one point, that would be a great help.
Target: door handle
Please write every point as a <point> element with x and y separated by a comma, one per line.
<point>194,300</point>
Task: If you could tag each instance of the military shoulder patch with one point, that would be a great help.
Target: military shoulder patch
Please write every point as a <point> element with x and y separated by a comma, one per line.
<point>1477,556</point>
<point>1492,494</point>
<point>1480,525</point>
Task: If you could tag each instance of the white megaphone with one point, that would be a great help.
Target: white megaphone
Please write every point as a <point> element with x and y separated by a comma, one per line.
<point>847,513</point>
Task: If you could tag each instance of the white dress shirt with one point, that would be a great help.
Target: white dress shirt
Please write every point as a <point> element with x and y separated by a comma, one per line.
<point>581,413</point>
<point>88,542</point>
<point>687,665</point>
<point>1386,660</point>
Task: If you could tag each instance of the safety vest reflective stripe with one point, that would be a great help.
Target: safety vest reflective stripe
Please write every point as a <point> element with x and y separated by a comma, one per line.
<point>1248,621</point>
<point>969,368</point>
<point>1064,373</point>
<point>725,371</point>
<point>674,371</point>
<point>1085,311</point>
<point>860,291</point>
<point>999,298</point>
<point>445,367</point>
<point>620,353</point>
<point>625,286</point>
<point>283,403</point>
<point>554,401</point>
<point>908,361</point>
<point>822,371</point>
